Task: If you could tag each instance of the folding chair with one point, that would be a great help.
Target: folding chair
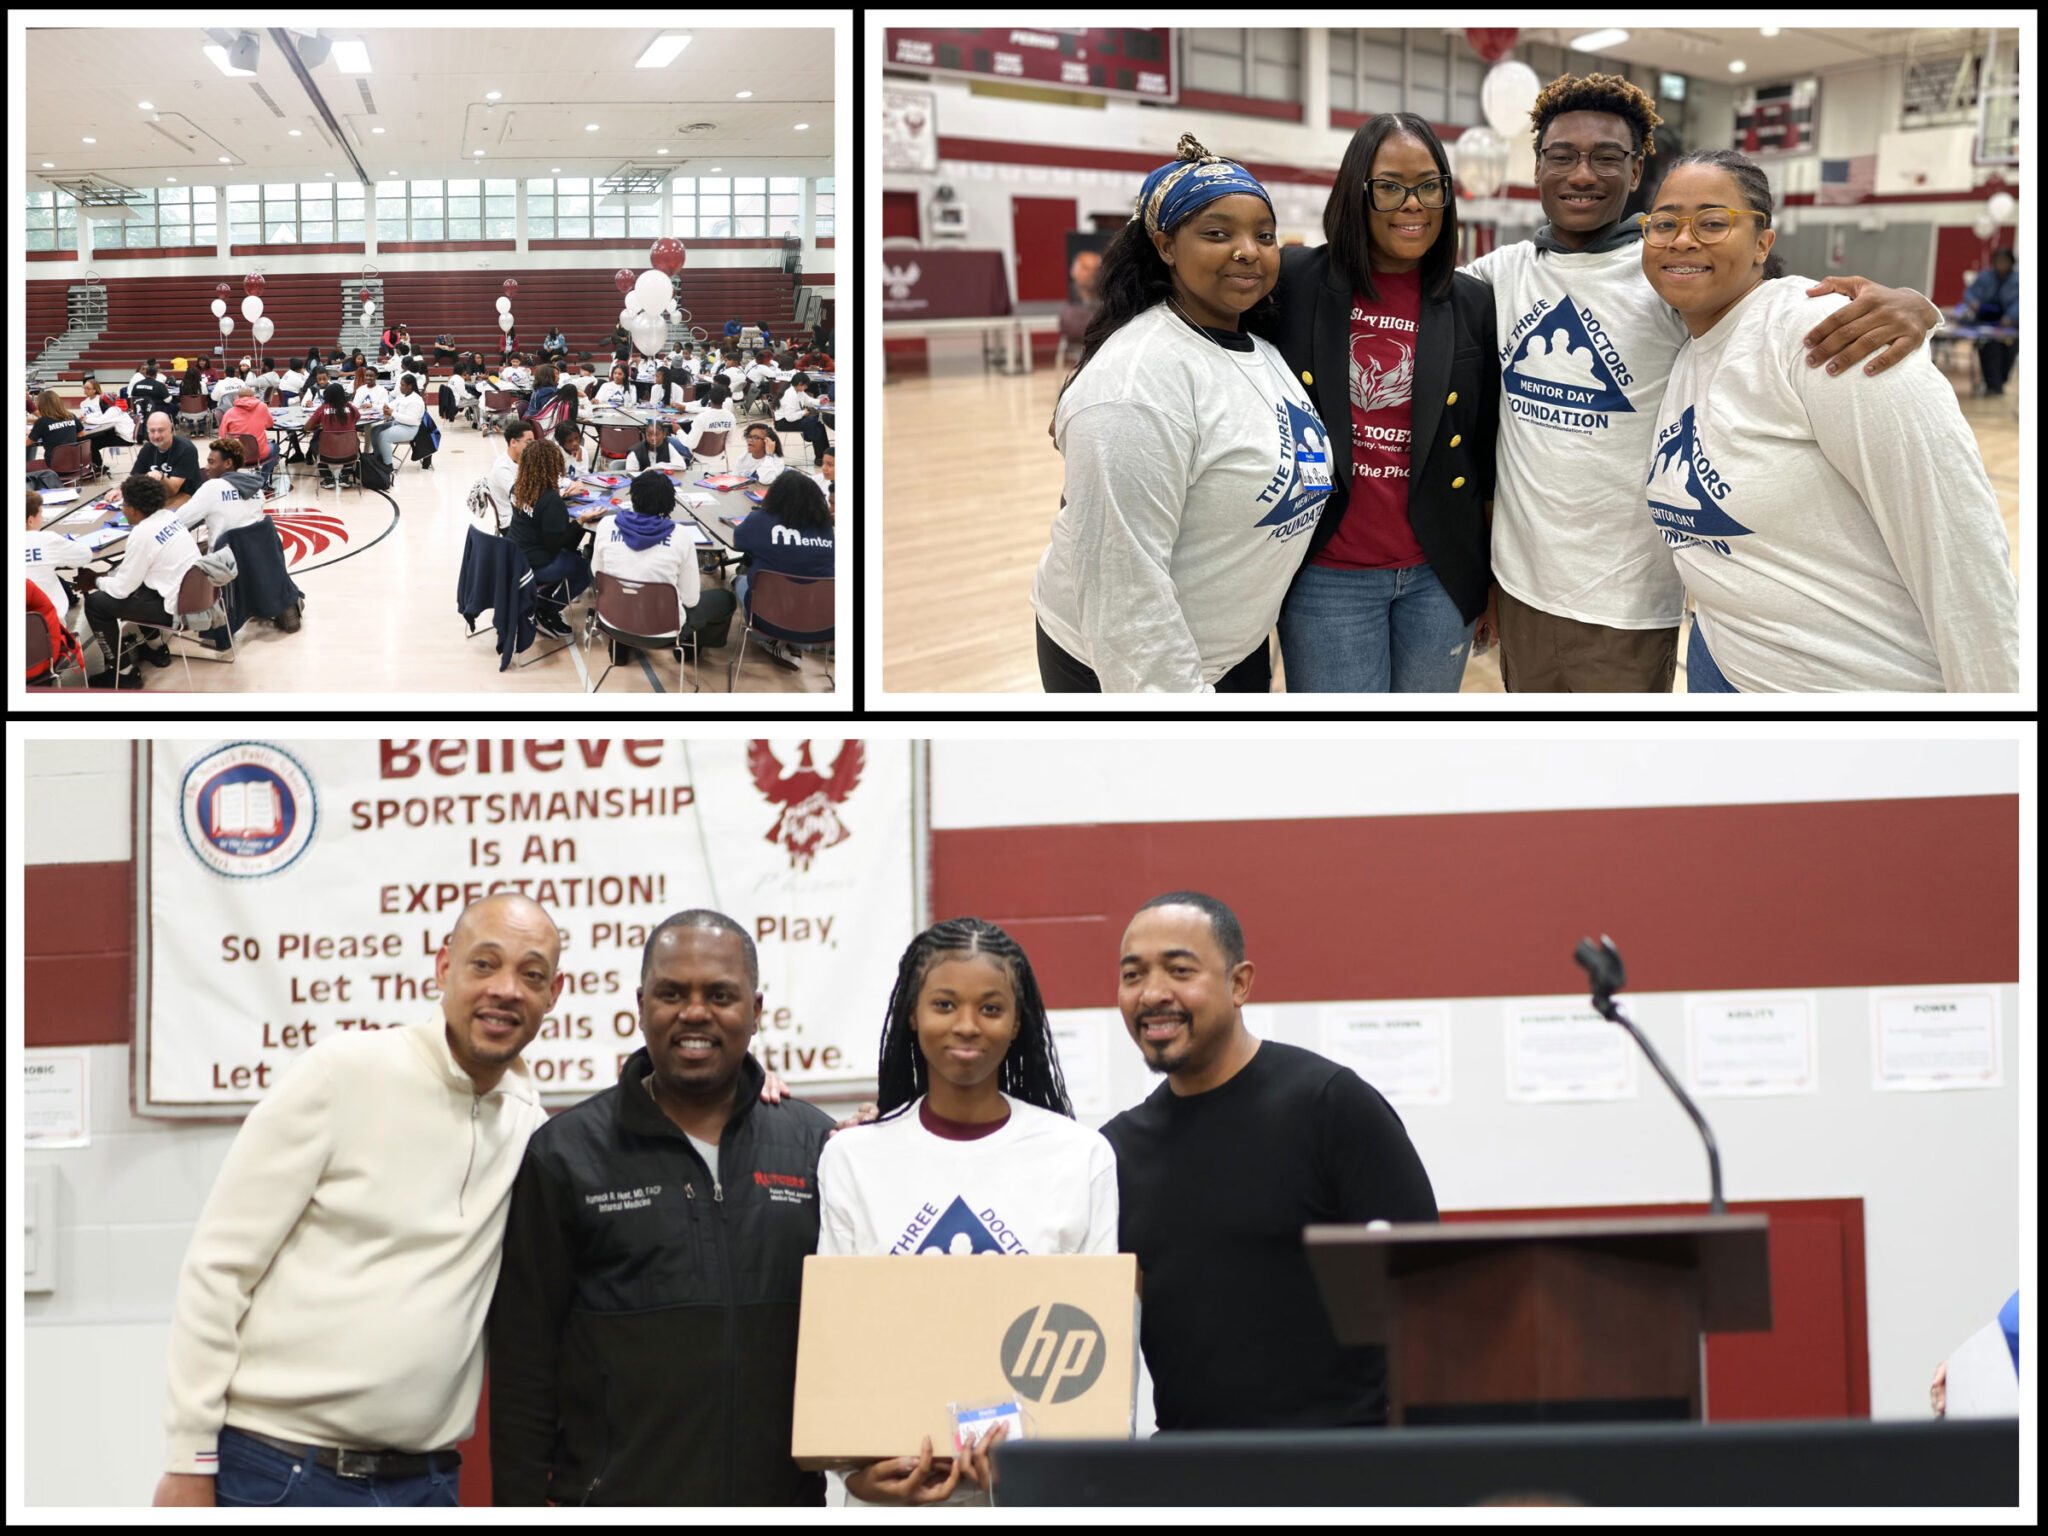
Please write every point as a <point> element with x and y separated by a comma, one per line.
<point>500,405</point>
<point>71,462</point>
<point>712,446</point>
<point>803,607</point>
<point>196,594</point>
<point>338,448</point>
<point>39,655</point>
<point>250,448</point>
<point>642,614</point>
<point>616,443</point>
<point>195,408</point>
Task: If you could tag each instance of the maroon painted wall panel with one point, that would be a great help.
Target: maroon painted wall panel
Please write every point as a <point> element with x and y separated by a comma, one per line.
<point>1836,894</point>
<point>78,943</point>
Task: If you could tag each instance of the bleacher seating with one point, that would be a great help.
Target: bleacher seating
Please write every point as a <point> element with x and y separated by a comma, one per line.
<point>165,317</point>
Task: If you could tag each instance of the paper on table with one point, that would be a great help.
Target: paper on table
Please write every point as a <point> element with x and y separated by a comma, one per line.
<point>699,499</point>
<point>59,497</point>
<point>1982,1383</point>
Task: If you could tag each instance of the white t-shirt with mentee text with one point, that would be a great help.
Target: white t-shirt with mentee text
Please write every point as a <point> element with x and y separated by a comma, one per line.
<point>1836,534</point>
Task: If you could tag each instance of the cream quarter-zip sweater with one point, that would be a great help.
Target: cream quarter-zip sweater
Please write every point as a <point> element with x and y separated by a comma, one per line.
<point>337,1283</point>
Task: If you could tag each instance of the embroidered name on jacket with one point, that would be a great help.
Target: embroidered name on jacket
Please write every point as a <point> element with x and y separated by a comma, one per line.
<point>789,1188</point>
<point>610,1200</point>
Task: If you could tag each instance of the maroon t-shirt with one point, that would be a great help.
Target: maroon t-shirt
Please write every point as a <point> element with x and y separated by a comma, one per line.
<point>1374,535</point>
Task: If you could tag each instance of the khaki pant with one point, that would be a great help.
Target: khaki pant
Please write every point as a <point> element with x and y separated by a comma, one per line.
<point>1545,653</point>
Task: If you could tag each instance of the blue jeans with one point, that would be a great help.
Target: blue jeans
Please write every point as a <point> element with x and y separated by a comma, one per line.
<point>1702,673</point>
<point>253,1474</point>
<point>1347,631</point>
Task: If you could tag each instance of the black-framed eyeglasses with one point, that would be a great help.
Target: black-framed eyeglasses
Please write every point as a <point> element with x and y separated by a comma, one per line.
<point>1387,194</point>
<point>1563,159</point>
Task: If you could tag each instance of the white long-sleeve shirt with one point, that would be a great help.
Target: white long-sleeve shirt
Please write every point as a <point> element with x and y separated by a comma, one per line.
<point>157,555</point>
<point>337,1282</point>
<point>408,410</point>
<point>45,553</point>
<point>1585,347</point>
<point>794,402</point>
<point>720,419</point>
<point>1194,476</point>
<point>674,560</point>
<point>1835,535</point>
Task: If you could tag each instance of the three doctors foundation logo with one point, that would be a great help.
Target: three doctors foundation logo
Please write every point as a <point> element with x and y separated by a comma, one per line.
<point>809,799</point>
<point>1053,1353</point>
<point>1685,493</point>
<point>1560,369</point>
<point>247,809</point>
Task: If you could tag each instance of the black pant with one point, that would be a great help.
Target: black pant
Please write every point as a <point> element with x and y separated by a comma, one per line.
<point>811,430</point>
<point>444,354</point>
<point>105,614</point>
<point>1059,672</point>
<point>1996,359</point>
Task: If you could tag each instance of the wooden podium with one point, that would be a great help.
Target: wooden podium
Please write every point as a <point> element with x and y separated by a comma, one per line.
<point>1544,1322</point>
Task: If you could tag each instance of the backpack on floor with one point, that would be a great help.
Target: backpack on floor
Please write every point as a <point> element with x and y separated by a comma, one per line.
<point>375,476</point>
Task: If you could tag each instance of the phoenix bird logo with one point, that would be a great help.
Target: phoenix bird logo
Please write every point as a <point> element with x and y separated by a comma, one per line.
<point>808,821</point>
<point>1376,382</point>
<point>901,280</point>
<point>305,534</point>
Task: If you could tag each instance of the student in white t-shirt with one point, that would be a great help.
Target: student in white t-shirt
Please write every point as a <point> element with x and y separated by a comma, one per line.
<point>1588,600</point>
<point>1196,464</point>
<point>763,458</point>
<point>370,396</point>
<point>291,383</point>
<point>45,554</point>
<point>1833,539</point>
<point>716,416</point>
<point>643,542</point>
<point>154,560</point>
<point>616,391</point>
<point>975,1126</point>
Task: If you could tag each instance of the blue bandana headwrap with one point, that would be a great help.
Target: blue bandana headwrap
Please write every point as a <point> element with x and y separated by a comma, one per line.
<point>1193,180</point>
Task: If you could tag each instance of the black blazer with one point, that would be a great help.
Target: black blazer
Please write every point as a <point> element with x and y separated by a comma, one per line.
<point>1456,411</point>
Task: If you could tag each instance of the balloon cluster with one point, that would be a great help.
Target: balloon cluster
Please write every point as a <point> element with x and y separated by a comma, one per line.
<point>1999,209</point>
<point>252,308</point>
<point>369,306</point>
<point>504,305</point>
<point>650,297</point>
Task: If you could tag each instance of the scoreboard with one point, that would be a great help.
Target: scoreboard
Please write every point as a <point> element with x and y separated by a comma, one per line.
<point>1116,61</point>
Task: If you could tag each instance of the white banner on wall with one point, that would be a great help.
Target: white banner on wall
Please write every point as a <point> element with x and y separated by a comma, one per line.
<point>298,888</point>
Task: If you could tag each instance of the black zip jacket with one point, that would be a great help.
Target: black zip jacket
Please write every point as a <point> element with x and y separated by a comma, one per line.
<point>643,1334</point>
<point>1454,420</point>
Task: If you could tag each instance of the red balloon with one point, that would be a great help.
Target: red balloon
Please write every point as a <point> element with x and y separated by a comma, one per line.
<point>1490,42</point>
<point>222,289</point>
<point>667,255</point>
<point>511,286</point>
<point>362,293</point>
<point>253,283</point>
<point>624,279</point>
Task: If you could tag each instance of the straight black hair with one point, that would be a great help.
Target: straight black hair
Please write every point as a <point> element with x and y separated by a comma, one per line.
<point>1345,215</point>
<point>1030,1072</point>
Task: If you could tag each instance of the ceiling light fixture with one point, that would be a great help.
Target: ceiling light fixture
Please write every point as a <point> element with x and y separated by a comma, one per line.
<point>219,55</point>
<point>590,127</point>
<point>376,130</point>
<point>800,127</point>
<point>293,132</point>
<point>1768,31</point>
<point>92,141</point>
<point>1594,42</point>
<point>662,51</point>
<point>493,95</point>
<point>145,106</point>
<point>742,95</point>
<point>1736,66</point>
<point>352,56</point>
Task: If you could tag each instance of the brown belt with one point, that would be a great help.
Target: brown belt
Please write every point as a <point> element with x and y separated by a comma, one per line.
<point>373,1464</point>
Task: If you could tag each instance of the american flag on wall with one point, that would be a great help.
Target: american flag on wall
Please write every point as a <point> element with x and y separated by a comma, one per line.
<point>1846,181</point>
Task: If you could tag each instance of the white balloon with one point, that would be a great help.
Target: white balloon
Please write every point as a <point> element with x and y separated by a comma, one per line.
<point>505,323</point>
<point>1479,157</point>
<point>251,307</point>
<point>504,305</point>
<point>226,325</point>
<point>653,288</point>
<point>263,329</point>
<point>219,308</point>
<point>2001,207</point>
<point>1507,94</point>
<point>1985,227</point>
<point>629,318</point>
<point>369,304</point>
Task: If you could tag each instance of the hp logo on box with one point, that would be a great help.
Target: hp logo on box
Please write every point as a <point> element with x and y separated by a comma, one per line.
<point>1053,1353</point>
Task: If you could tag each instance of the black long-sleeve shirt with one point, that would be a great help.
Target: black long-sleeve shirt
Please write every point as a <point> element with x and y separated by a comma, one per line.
<point>546,531</point>
<point>1214,1189</point>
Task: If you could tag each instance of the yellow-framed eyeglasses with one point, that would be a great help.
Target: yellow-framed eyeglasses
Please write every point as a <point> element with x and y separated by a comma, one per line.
<point>1710,226</point>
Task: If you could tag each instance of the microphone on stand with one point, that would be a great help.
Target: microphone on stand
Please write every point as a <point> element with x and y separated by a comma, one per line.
<point>1602,962</point>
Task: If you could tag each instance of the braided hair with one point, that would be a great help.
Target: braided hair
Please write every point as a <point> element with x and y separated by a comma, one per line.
<point>1030,1070</point>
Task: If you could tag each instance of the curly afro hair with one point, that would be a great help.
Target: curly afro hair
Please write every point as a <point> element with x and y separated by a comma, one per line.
<point>1597,93</point>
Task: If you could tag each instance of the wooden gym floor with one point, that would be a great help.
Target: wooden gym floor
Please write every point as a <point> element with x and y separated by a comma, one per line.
<point>970,486</point>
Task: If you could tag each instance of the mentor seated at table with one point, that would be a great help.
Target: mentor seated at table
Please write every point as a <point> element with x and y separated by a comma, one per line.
<point>408,410</point>
<point>657,446</point>
<point>142,587</point>
<point>168,457</point>
<point>643,542</point>
<point>790,533</point>
<point>334,413</point>
<point>370,396</point>
<point>617,391</point>
<point>550,539</point>
<point>53,427</point>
